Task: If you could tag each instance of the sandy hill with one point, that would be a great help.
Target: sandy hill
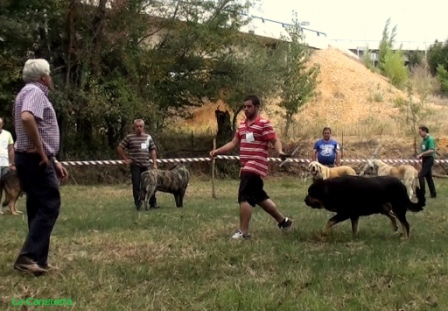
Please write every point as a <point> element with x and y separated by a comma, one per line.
<point>351,99</point>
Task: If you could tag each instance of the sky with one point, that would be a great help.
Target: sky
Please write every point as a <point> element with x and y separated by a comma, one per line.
<point>345,20</point>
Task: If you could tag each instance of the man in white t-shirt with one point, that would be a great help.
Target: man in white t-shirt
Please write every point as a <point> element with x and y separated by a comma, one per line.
<point>6,151</point>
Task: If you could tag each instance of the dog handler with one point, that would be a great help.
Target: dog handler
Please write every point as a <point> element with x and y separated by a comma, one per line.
<point>253,136</point>
<point>427,156</point>
<point>138,145</point>
<point>38,170</point>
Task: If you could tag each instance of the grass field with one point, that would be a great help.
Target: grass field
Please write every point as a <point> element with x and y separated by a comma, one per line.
<point>112,257</point>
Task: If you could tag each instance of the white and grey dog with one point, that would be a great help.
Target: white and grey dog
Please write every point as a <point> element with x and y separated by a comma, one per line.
<point>174,180</point>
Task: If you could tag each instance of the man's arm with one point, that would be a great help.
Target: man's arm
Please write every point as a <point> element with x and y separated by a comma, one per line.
<point>11,154</point>
<point>227,147</point>
<point>122,152</point>
<point>154,158</point>
<point>314,156</point>
<point>338,156</point>
<point>430,151</point>
<point>31,131</point>
<point>277,145</point>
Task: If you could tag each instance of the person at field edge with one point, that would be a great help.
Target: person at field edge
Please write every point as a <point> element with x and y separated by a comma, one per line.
<point>253,137</point>
<point>326,151</point>
<point>38,170</point>
<point>6,155</point>
<point>427,154</point>
<point>139,145</point>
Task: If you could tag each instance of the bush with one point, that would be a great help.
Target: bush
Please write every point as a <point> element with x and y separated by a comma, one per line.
<point>442,75</point>
<point>393,67</point>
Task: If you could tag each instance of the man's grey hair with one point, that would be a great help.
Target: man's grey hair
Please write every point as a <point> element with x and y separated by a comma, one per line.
<point>35,69</point>
<point>139,121</point>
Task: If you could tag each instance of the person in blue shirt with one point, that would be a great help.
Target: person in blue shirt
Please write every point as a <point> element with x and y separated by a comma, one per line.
<point>326,151</point>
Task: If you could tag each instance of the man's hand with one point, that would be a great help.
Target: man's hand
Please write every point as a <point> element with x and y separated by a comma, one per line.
<point>214,153</point>
<point>127,161</point>
<point>61,172</point>
<point>419,156</point>
<point>12,167</point>
<point>44,161</point>
<point>283,156</point>
<point>154,166</point>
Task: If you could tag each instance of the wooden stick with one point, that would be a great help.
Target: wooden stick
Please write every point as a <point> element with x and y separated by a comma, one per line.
<point>213,171</point>
<point>371,158</point>
<point>295,150</point>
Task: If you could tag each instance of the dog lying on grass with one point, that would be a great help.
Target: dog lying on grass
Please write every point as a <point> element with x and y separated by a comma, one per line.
<point>174,180</point>
<point>351,197</point>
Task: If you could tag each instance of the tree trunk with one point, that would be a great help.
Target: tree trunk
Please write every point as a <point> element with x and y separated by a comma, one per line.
<point>224,135</point>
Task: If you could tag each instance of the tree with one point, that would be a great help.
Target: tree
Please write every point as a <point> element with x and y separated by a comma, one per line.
<point>299,79</point>
<point>249,67</point>
<point>438,64</point>
<point>387,42</point>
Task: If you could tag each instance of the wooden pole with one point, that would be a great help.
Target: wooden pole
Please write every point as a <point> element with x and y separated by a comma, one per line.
<point>371,158</point>
<point>290,156</point>
<point>213,171</point>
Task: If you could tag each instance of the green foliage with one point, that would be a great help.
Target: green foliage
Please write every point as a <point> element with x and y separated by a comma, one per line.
<point>299,80</point>
<point>412,111</point>
<point>393,68</point>
<point>438,55</point>
<point>442,75</point>
<point>367,59</point>
<point>387,42</point>
<point>415,58</point>
<point>111,65</point>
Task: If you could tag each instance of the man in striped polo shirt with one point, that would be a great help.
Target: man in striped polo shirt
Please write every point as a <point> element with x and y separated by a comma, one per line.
<point>36,146</point>
<point>253,136</point>
<point>139,145</point>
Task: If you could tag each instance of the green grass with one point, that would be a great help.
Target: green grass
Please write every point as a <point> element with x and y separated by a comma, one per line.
<point>115,258</point>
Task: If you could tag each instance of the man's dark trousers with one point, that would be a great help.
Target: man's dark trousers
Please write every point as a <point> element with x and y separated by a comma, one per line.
<point>426,172</point>
<point>43,202</point>
<point>136,173</point>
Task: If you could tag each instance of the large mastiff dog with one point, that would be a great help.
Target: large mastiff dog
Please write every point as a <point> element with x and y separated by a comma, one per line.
<point>319,171</point>
<point>173,181</point>
<point>406,173</point>
<point>354,196</point>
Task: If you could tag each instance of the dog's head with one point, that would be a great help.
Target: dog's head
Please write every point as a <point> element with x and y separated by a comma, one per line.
<point>316,194</point>
<point>315,169</point>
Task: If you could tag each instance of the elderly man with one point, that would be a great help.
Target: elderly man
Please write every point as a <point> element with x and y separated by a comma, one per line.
<point>138,146</point>
<point>326,151</point>
<point>38,170</point>
<point>6,154</point>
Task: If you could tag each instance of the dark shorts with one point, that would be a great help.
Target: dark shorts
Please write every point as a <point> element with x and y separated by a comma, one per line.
<point>251,189</point>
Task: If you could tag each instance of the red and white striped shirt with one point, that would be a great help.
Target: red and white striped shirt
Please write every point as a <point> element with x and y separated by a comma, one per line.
<point>254,142</point>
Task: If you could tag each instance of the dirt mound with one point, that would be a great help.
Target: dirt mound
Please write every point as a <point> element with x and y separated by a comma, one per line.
<point>351,99</point>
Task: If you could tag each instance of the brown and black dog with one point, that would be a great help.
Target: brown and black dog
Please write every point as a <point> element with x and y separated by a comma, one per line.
<point>11,185</point>
<point>351,197</point>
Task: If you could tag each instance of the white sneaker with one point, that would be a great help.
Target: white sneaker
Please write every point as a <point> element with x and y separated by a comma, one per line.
<point>239,235</point>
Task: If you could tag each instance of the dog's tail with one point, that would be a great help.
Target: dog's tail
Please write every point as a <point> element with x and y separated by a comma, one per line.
<point>417,207</point>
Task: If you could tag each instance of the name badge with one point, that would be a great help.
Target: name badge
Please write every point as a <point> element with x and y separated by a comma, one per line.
<point>250,137</point>
<point>423,147</point>
<point>144,146</point>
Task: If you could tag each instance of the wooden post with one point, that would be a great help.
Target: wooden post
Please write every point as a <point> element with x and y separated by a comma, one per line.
<point>290,156</point>
<point>213,171</point>
<point>371,158</point>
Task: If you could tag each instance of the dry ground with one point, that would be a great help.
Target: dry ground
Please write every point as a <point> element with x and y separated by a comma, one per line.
<point>352,99</point>
<point>115,258</point>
